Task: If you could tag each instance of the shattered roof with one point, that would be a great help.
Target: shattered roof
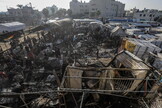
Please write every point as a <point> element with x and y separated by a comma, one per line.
<point>129,60</point>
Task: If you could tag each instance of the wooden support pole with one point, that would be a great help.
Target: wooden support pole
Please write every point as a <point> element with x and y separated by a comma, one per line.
<point>22,98</point>
<point>105,68</point>
<point>81,103</point>
<point>74,100</point>
<point>1,106</point>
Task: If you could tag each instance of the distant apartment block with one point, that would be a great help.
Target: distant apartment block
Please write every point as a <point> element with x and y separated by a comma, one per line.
<point>147,14</point>
<point>107,8</point>
<point>144,15</point>
<point>79,7</point>
<point>25,14</point>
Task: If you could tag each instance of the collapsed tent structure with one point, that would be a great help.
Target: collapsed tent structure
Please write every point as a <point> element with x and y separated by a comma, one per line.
<point>140,48</point>
<point>124,75</point>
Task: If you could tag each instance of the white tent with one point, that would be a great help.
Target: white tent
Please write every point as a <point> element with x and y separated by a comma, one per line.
<point>10,27</point>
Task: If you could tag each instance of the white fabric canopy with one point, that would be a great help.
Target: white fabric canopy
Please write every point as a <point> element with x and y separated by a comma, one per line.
<point>10,27</point>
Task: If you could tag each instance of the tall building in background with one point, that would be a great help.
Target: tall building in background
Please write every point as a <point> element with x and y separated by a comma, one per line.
<point>25,14</point>
<point>79,7</point>
<point>104,8</point>
<point>147,14</point>
<point>107,8</point>
<point>143,15</point>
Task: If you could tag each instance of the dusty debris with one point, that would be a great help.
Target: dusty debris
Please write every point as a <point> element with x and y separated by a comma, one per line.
<point>76,63</point>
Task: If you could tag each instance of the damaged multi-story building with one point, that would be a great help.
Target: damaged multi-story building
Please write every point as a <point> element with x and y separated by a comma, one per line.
<point>102,8</point>
<point>25,14</point>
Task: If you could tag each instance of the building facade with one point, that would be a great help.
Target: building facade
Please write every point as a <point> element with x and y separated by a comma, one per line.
<point>79,7</point>
<point>106,8</point>
<point>25,14</point>
<point>147,14</point>
<point>143,15</point>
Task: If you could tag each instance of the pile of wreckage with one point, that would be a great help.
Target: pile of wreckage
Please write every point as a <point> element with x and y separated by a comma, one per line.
<point>80,63</point>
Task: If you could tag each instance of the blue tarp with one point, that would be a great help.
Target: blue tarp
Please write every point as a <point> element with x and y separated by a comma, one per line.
<point>121,20</point>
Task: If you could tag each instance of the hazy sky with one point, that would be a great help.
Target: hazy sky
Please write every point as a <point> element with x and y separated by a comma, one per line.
<point>40,4</point>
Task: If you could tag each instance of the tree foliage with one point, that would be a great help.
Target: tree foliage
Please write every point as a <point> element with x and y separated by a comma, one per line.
<point>69,12</point>
<point>95,14</point>
<point>45,12</point>
<point>53,11</point>
<point>61,13</point>
<point>98,13</point>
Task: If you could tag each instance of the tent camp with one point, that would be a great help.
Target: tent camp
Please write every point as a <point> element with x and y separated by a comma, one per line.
<point>10,27</point>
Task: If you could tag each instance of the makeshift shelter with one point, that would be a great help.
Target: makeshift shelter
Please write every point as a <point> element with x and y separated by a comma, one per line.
<point>127,60</point>
<point>158,43</point>
<point>65,22</point>
<point>146,37</point>
<point>125,74</point>
<point>140,48</point>
<point>155,60</point>
<point>134,31</point>
<point>53,25</point>
<point>10,27</point>
<point>87,21</point>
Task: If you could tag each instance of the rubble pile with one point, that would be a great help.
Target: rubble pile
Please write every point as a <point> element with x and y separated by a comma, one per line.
<point>78,63</point>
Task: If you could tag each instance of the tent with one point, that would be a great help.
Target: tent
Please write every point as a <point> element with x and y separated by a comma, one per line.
<point>10,27</point>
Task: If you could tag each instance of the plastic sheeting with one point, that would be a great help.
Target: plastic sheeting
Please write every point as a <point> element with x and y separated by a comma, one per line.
<point>10,27</point>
